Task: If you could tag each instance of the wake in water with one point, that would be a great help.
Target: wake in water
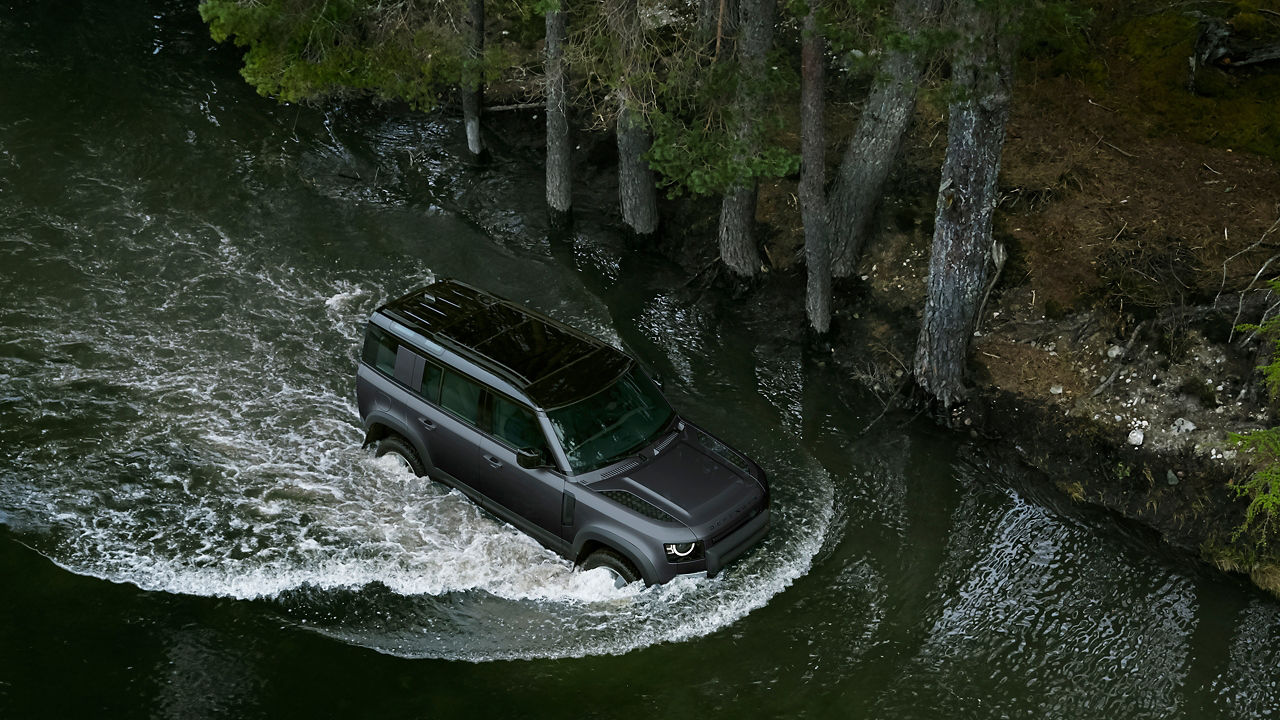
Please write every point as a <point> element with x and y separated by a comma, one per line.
<point>193,431</point>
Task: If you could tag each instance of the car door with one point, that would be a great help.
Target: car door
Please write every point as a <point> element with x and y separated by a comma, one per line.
<point>534,494</point>
<point>456,436</point>
<point>421,411</point>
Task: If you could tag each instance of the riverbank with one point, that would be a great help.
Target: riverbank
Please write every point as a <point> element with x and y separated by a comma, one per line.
<point>1107,357</point>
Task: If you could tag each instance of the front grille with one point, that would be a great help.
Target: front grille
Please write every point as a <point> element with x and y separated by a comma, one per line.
<point>721,533</point>
<point>640,505</point>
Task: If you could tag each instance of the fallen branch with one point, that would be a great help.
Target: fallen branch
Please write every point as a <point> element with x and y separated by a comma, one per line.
<point>892,401</point>
<point>1265,265</point>
<point>1133,338</point>
<point>1126,153</point>
<point>1119,232</point>
<point>998,256</point>
<point>518,106</point>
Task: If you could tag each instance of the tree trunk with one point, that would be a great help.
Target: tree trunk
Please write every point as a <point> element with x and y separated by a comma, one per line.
<point>738,248</point>
<point>559,155</point>
<point>473,82</point>
<point>736,235</point>
<point>717,24</point>
<point>961,258</point>
<point>636,190</point>
<point>813,209</point>
<point>871,152</point>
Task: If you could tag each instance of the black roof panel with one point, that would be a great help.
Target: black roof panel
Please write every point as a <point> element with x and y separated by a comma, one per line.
<point>552,362</point>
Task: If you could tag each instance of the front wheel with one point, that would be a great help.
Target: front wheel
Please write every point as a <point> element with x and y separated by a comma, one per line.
<point>402,452</point>
<point>623,572</point>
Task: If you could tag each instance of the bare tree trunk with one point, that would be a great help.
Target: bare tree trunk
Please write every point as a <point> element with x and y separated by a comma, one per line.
<point>636,189</point>
<point>559,155</point>
<point>637,192</point>
<point>717,24</point>
<point>813,209</point>
<point>736,232</point>
<point>871,152</point>
<point>961,260</point>
<point>473,83</point>
<point>737,238</point>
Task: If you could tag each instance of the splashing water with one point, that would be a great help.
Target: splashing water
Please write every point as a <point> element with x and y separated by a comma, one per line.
<point>179,416</point>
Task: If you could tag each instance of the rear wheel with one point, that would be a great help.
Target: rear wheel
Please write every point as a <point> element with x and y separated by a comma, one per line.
<point>623,572</point>
<point>402,452</point>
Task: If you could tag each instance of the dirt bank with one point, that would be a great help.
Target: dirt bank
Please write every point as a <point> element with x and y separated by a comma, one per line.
<point>1107,357</point>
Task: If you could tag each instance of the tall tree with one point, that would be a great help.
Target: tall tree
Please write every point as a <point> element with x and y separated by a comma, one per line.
<point>472,88</point>
<point>886,115</point>
<point>636,190</point>
<point>813,209</point>
<point>736,232</point>
<point>401,50</point>
<point>559,154</point>
<point>962,256</point>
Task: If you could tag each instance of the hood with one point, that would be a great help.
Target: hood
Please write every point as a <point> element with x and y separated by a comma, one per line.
<point>691,483</point>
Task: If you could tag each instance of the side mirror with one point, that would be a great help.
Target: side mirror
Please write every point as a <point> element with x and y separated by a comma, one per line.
<point>531,459</point>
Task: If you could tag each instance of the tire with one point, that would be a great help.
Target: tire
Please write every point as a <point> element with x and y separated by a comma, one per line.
<point>399,447</point>
<point>623,572</point>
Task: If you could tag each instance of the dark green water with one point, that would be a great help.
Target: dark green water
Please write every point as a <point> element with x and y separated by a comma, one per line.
<point>189,529</point>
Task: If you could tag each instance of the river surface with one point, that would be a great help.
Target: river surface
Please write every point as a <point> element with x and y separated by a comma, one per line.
<point>189,528</point>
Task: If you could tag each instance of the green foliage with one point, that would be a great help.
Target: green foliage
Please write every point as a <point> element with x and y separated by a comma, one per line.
<point>1269,331</point>
<point>301,50</point>
<point>696,147</point>
<point>707,161</point>
<point>1054,38</point>
<point>1263,486</point>
<point>685,87</point>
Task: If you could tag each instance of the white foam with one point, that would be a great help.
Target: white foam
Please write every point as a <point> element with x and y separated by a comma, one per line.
<point>213,449</point>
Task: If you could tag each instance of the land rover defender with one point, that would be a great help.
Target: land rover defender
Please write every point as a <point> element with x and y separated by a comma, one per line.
<point>555,432</point>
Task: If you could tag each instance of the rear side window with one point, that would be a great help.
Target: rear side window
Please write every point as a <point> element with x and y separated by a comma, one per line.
<point>516,425</point>
<point>461,396</point>
<point>430,389</point>
<point>380,350</point>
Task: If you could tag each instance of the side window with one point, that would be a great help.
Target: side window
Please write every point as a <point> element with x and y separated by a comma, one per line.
<point>516,425</point>
<point>380,350</point>
<point>430,389</point>
<point>461,396</point>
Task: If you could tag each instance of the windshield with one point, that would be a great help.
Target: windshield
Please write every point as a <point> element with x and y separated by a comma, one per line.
<point>611,424</point>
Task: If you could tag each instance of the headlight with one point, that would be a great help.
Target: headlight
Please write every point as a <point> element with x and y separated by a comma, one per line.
<point>683,552</point>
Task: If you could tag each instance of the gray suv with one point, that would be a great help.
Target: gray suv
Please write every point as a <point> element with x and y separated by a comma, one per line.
<point>555,432</point>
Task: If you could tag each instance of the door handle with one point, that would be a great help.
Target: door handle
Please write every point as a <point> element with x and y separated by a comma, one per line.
<point>493,460</point>
<point>427,423</point>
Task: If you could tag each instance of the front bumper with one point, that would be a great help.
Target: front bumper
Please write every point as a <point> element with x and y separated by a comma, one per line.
<point>738,542</point>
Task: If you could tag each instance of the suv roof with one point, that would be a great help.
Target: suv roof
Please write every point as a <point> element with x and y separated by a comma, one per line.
<point>552,363</point>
